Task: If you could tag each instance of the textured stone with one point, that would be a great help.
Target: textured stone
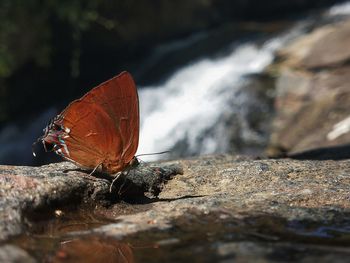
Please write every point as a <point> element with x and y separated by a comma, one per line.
<point>24,190</point>
<point>216,196</point>
<point>239,187</point>
<point>313,92</point>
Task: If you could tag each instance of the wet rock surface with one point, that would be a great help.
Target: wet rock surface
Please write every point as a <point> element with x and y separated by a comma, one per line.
<point>221,208</point>
<point>28,190</point>
<point>313,92</point>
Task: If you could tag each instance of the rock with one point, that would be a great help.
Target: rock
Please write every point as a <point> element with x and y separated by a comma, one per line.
<point>267,201</point>
<point>313,92</point>
<point>240,187</point>
<point>323,47</point>
<point>27,190</point>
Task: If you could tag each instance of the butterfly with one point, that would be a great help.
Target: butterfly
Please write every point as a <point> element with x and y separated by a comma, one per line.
<point>99,131</point>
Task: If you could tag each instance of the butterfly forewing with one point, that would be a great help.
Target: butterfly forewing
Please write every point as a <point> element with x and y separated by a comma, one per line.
<point>103,126</point>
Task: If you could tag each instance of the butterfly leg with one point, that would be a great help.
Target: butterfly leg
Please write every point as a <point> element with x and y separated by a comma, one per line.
<point>115,179</point>
<point>94,170</point>
<point>126,172</point>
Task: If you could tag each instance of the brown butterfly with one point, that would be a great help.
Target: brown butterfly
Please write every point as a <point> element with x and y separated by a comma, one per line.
<point>101,129</point>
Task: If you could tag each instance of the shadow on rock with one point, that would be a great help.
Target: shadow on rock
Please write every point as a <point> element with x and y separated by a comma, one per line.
<point>149,179</point>
<point>327,153</point>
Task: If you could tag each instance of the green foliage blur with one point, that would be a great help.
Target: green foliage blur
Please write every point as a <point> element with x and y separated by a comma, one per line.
<point>26,35</point>
<point>25,28</point>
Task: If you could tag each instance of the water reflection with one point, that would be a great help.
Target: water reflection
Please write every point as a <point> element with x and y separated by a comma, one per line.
<point>194,236</point>
<point>92,249</point>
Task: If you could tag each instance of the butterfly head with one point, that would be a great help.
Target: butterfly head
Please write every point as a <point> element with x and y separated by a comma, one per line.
<point>54,137</point>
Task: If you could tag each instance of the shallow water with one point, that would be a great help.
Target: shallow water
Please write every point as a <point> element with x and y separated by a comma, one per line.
<point>195,237</point>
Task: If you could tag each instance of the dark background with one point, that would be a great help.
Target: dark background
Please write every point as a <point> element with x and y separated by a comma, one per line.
<point>54,51</point>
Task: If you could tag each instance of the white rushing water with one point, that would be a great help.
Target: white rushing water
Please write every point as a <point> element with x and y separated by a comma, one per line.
<point>188,107</point>
<point>340,9</point>
<point>189,104</point>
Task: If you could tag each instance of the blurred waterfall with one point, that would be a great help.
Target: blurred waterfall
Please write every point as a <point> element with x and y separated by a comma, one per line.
<point>198,109</point>
<point>212,105</point>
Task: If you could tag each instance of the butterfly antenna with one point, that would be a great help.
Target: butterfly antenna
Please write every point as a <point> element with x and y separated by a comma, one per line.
<point>145,154</point>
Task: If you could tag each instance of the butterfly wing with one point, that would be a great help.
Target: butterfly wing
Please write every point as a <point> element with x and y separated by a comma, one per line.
<point>103,126</point>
